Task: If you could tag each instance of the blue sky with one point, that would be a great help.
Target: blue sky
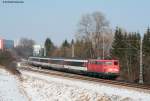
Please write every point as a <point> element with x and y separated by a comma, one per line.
<point>58,19</point>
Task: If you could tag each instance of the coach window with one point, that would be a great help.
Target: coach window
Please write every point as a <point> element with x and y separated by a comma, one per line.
<point>43,60</point>
<point>75,63</point>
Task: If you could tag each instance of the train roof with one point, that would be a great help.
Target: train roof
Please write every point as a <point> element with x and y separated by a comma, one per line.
<point>46,58</point>
<point>38,58</point>
<point>101,60</point>
<point>75,60</point>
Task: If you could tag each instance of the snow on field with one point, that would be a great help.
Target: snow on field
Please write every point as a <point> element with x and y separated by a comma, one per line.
<point>50,88</point>
<point>9,88</point>
<point>39,87</point>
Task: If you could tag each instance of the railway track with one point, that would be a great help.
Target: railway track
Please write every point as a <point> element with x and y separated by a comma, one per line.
<point>90,79</point>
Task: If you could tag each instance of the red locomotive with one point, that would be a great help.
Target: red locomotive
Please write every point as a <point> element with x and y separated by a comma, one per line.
<point>109,68</point>
<point>104,66</point>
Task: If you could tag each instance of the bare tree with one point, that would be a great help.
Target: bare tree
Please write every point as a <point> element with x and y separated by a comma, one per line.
<point>25,47</point>
<point>94,28</point>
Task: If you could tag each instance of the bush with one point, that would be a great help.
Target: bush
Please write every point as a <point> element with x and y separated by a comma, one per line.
<point>8,62</point>
<point>6,58</point>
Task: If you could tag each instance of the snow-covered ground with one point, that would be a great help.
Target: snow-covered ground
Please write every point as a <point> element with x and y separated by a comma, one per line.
<point>10,89</point>
<point>51,88</point>
<point>38,87</point>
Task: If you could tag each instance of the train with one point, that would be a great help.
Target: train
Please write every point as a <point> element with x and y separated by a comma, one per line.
<point>96,67</point>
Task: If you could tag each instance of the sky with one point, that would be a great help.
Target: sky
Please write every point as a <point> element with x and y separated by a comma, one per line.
<point>58,19</point>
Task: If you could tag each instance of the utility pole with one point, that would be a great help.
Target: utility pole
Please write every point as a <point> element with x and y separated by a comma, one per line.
<point>44,51</point>
<point>103,45</point>
<point>141,64</point>
<point>72,48</point>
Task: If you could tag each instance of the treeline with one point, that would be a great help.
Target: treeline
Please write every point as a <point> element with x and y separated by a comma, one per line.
<point>125,47</point>
<point>95,39</point>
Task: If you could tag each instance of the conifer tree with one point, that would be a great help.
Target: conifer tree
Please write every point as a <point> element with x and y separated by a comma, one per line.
<point>133,41</point>
<point>146,43</point>
<point>125,48</point>
<point>66,49</point>
<point>119,50</point>
<point>118,44</point>
<point>146,55</point>
<point>49,46</point>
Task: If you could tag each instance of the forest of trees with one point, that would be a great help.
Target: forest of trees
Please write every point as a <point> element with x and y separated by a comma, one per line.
<point>95,39</point>
<point>125,46</point>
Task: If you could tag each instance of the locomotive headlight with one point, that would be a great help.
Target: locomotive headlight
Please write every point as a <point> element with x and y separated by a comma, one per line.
<point>113,70</point>
<point>18,64</point>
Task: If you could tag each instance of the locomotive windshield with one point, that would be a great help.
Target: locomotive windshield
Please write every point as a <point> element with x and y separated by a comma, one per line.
<point>108,63</point>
